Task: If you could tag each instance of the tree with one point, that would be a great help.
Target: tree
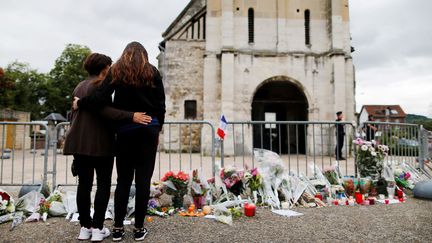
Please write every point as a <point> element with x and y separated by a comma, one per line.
<point>24,89</point>
<point>68,71</point>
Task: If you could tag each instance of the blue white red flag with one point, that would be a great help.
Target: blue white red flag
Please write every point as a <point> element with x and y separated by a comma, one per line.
<point>222,127</point>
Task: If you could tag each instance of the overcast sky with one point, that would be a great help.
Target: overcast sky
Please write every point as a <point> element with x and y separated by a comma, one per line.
<point>392,38</point>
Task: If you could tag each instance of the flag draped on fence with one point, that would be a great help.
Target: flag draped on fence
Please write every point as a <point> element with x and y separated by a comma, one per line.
<point>222,128</point>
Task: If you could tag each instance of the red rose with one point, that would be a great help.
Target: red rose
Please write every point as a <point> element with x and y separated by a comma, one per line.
<point>5,196</point>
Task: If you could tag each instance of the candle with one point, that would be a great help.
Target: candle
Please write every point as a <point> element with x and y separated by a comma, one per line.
<point>319,196</point>
<point>387,201</point>
<point>400,193</point>
<point>401,199</point>
<point>371,201</point>
<point>249,209</point>
<point>358,197</point>
<point>336,202</point>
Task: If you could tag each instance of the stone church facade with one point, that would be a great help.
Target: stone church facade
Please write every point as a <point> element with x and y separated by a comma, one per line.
<point>248,58</point>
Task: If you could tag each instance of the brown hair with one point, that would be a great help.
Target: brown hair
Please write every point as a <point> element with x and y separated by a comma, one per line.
<point>133,67</point>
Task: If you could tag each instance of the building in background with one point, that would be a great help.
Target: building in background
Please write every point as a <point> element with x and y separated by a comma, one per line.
<point>382,113</point>
<point>283,60</point>
<point>14,137</point>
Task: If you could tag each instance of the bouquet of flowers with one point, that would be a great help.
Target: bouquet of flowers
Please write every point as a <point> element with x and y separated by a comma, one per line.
<point>232,179</point>
<point>6,203</point>
<point>331,175</point>
<point>177,186</point>
<point>199,189</point>
<point>403,179</point>
<point>370,157</point>
<point>44,206</point>
<point>253,179</point>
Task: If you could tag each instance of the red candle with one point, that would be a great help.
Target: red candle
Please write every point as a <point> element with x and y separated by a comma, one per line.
<point>401,199</point>
<point>336,202</point>
<point>249,209</point>
<point>387,201</point>
<point>400,193</point>
<point>371,201</point>
<point>319,196</point>
<point>358,197</point>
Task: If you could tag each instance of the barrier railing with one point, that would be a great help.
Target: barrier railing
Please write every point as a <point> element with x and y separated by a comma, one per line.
<point>23,154</point>
<point>181,147</point>
<point>186,145</point>
<point>404,140</point>
<point>299,143</point>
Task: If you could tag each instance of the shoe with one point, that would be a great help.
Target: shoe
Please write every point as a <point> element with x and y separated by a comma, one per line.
<point>118,234</point>
<point>85,233</point>
<point>342,158</point>
<point>140,233</point>
<point>99,235</point>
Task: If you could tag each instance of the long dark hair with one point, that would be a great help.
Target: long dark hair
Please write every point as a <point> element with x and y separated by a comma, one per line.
<point>133,67</point>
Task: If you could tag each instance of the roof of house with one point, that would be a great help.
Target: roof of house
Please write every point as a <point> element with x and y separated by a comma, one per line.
<point>381,110</point>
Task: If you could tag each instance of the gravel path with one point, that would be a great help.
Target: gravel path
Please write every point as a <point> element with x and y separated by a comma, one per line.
<point>407,222</point>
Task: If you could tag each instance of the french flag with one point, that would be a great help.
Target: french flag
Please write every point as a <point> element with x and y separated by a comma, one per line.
<point>222,128</point>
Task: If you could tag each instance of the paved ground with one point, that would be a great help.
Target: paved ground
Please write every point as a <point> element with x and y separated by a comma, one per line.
<point>408,222</point>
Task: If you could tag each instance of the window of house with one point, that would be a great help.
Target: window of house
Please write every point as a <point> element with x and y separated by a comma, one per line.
<point>190,107</point>
<point>307,26</point>
<point>251,25</point>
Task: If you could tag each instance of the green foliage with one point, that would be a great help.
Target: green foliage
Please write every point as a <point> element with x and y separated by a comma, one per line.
<point>68,71</point>
<point>24,89</point>
<point>421,120</point>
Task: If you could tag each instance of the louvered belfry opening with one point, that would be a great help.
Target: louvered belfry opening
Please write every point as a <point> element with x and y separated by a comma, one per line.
<point>251,25</point>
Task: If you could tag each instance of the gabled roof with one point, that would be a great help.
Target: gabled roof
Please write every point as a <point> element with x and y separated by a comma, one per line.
<point>381,110</point>
<point>193,8</point>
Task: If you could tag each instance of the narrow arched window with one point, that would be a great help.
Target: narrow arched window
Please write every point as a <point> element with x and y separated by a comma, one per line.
<point>251,25</point>
<point>307,26</point>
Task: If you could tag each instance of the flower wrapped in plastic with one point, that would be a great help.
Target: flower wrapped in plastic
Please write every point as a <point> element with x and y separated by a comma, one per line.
<point>7,205</point>
<point>232,179</point>
<point>274,177</point>
<point>177,186</point>
<point>370,157</point>
<point>56,204</point>
<point>331,174</point>
<point>199,189</point>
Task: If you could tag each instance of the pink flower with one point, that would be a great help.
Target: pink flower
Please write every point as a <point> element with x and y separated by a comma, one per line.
<point>254,171</point>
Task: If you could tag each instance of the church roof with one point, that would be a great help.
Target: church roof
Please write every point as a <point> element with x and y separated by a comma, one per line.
<point>194,7</point>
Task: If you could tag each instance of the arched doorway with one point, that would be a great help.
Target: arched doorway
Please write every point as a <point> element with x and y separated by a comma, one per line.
<point>280,101</point>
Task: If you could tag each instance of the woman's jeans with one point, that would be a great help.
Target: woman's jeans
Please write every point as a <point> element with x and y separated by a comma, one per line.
<point>85,167</point>
<point>136,154</point>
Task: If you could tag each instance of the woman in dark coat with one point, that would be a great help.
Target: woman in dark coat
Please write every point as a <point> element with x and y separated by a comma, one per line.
<point>90,140</point>
<point>138,87</point>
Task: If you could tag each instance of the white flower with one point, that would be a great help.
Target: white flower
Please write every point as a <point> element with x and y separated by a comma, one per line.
<point>364,147</point>
<point>368,143</point>
<point>373,153</point>
<point>371,149</point>
<point>373,142</point>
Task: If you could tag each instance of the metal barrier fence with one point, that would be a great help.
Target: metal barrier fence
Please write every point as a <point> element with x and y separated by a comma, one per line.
<point>29,157</point>
<point>299,143</point>
<point>23,154</point>
<point>184,145</point>
<point>407,142</point>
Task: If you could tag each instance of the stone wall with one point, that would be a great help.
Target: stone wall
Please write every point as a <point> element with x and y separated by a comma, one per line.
<point>183,79</point>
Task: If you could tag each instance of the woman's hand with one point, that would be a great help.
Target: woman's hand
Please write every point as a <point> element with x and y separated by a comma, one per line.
<point>75,103</point>
<point>142,118</point>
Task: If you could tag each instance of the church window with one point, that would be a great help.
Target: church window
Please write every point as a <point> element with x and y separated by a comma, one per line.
<point>307,26</point>
<point>190,107</point>
<point>251,25</point>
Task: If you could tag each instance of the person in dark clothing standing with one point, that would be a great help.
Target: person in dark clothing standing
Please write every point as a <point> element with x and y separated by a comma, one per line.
<point>340,136</point>
<point>138,87</point>
<point>370,129</point>
<point>90,140</point>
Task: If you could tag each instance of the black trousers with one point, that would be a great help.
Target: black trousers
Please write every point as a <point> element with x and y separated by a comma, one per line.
<point>339,145</point>
<point>136,154</point>
<point>85,167</point>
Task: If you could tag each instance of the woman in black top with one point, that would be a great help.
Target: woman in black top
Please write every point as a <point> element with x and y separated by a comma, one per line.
<point>138,87</point>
